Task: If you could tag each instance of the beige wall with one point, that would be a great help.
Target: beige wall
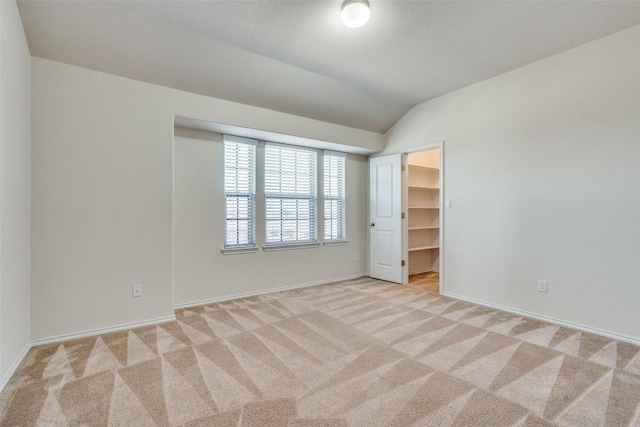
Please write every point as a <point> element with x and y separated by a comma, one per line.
<point>543,167</point>
<point>202,272</point>
<point>15,128</point>
<point>102,194</point>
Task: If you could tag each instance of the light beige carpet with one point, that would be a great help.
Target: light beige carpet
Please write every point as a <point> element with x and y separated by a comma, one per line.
<point>356,353</point>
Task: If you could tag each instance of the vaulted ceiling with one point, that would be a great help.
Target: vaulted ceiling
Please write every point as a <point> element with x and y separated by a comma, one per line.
<point>297,56</point>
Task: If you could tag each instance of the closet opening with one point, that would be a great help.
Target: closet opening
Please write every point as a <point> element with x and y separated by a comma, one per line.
<point>423,219</point>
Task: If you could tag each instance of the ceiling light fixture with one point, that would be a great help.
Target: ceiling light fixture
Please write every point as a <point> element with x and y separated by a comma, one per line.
<point>355,13</point>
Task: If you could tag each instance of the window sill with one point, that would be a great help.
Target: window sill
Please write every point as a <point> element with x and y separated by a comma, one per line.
<point>335,243</point>
<point>287,247</point>
<point>235,251</point>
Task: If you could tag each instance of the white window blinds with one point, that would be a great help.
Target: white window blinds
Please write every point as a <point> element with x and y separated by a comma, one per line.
<point>290,194</point>
<point>240,191</point>
<point>334,196</point>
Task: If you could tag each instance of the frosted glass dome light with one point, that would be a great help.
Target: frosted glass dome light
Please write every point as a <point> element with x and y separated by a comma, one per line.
<point>355,13</point>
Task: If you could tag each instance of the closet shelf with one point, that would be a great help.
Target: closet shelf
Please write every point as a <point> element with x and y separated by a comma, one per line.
<point>423,193</point>
<point>423,248</point>
<point>423,187</point>
<point>424,168</point>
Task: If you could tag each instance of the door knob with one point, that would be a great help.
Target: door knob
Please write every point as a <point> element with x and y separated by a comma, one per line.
<point>372,224</point>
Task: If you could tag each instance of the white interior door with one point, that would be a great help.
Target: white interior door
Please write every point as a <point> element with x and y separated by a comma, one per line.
<point>385,214</point>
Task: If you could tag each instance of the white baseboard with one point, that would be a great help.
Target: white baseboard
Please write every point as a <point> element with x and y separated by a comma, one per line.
<point>16,363</point>
<point>14,366</point>
<point>548,319</point>
<point>92,332</point>
<point>265,291</point>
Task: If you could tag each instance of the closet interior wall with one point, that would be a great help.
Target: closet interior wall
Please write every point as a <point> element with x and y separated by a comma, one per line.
<point>423,181</point>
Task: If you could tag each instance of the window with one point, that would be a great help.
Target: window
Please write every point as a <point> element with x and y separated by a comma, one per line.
<point>287,190</point>
<point>240,191</point>
<point>334,209</point>
<point>290,194</point>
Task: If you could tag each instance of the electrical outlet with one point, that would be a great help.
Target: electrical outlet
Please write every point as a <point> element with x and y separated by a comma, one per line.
<point>447,204</point>
<point>137,290</point>
<point>542,286</point>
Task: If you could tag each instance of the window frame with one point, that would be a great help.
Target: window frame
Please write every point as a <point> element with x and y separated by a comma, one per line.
<point>340,198</point>
<point>250,195</point>
<point>259,199</point>
<point>312,197</point>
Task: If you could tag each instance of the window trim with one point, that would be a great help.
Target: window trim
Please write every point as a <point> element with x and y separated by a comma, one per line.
<point>241,248</point>
<point>279,245</point>
<point>343,240</point>
<point>288,246</point>
<point>260,201</point>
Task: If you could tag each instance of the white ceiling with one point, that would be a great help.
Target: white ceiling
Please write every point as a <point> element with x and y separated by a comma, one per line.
<point>297,57</point>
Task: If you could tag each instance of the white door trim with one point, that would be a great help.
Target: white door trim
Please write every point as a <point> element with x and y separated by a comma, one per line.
<point>405,227</point>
